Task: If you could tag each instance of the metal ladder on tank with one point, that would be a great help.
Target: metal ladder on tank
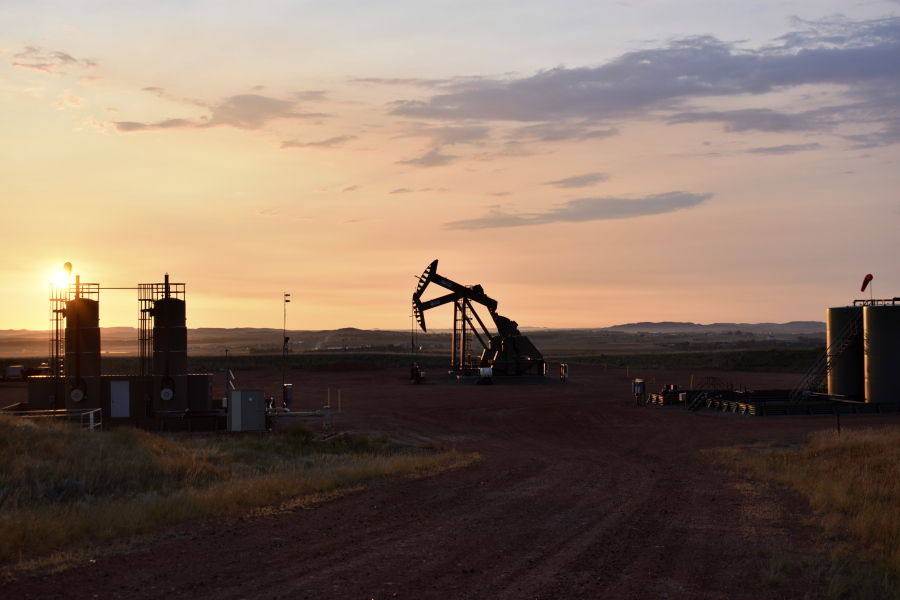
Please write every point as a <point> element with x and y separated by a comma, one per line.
<point>816,375</point>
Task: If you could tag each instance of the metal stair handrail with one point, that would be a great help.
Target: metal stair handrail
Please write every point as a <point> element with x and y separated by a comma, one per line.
<point>817,373</point>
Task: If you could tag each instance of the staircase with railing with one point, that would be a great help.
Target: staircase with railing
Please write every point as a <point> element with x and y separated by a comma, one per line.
<point>817,374</point>
<point>707,386</point>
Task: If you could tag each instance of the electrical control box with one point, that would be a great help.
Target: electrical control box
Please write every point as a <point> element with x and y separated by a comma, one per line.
<point>246,410</point>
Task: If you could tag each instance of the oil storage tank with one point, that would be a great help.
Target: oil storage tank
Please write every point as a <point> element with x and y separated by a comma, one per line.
<point>882,352</point>
<point>847,374</point>
<point>82,362</point>
<point>170,354</point>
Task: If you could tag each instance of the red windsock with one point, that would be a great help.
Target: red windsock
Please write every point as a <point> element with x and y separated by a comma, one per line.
<point>866,282</point>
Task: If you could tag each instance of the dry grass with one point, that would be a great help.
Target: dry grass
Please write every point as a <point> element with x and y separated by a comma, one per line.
<point>852,483</point>
<point>62,488</point>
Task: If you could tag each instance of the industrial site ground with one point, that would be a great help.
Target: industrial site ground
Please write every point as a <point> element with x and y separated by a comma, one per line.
<point>576,493</point>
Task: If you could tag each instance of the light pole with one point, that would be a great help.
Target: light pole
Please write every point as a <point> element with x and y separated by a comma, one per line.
<point>285,396</point>
<point>226,374</point>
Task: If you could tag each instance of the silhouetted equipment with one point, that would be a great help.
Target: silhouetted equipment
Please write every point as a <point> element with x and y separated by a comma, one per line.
<point>82,346</point>
<point>507,352</point>
<point>846,377</point>
<point>163,336</point>
<point>162,396</point>
<point>246,410</point>
<point>882,348</point>
<point>862,355</point>
<point>639,389</point>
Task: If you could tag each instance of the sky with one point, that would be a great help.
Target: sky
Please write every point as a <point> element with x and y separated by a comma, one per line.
<point>588,162</point>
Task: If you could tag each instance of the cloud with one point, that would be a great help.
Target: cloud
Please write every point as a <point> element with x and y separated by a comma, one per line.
<point>311,96</point>
<point>70,101</point>
<point>449,135</point>
<point>786,149</point>
<point>250,111</point>
<point>397,81</point>
<point>587,209</point>
<point>40,59</point>
<point>856,61</point>
<point>128,126</point>
<point>579,181</point>
<point>245,111</point>
<point>330,142</point>
<point>758,119</point>
<point>430,159</point>
<point>889,135</point>
<point>556,132</point>
<point>351,188</point>
<point>421,191</point>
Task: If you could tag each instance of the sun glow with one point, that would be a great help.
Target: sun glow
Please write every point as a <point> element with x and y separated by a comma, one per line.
<point>62,277</point>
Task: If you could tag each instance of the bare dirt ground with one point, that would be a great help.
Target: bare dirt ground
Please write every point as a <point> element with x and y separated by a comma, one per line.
<point>578,493</point>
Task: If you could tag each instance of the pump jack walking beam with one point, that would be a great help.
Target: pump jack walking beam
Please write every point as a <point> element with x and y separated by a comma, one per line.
<point>470,294</point>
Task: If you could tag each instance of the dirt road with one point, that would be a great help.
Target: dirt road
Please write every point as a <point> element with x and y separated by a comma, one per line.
<point>577,494</point>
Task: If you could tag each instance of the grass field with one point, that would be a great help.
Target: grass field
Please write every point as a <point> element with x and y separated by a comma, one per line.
<point>63,488</point>
<point>852,482</point>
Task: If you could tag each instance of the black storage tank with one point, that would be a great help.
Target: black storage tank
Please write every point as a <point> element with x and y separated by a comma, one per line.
<point>170,354</point>
<point>82,363</point>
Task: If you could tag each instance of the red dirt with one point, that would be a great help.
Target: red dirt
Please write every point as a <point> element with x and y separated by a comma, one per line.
<point>578,494</point>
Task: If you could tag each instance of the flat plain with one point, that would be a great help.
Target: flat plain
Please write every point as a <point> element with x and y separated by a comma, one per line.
<point>577,492</point>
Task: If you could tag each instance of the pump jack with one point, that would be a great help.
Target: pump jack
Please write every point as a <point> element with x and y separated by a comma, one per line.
<point>508,352</point>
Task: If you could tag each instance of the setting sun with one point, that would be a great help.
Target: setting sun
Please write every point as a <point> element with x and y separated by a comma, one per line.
<point>60,278</point>
<point>63,276</point>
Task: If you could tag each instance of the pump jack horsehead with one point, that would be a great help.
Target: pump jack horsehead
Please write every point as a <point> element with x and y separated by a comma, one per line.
<point>508,352</point>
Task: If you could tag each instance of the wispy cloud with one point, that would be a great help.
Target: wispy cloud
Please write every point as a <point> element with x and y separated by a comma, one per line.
<point>329,143</point>
<point>41,59</point>
<point>557,132</point>
<point>785,149</point>
<point>579,181</point>
<point>421,191</point>
<point>245,111</point>
<point>587,209</point>
<point>430,159</point>
<point>758,119</point>
<point>448,135</point>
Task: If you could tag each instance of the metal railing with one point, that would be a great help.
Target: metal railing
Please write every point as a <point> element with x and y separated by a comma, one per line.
<point>814,378</point>
<point>88,418</point>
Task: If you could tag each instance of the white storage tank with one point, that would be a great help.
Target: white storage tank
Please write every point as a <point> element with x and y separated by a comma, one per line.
<point>882,352</point>
<point>847,376</point>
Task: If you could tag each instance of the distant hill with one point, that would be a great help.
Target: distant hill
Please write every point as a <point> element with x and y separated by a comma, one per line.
<point>801,327</point>
<point>212,333</point>
<point>644,336</point>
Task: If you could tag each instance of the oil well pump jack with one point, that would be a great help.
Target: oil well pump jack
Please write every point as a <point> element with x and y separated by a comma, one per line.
<point>508,352</point>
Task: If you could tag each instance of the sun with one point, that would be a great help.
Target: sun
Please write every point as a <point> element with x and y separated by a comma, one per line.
<point>62,276</point>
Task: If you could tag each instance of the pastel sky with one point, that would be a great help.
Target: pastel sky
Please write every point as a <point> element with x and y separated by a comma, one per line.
<point>587,162</point>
